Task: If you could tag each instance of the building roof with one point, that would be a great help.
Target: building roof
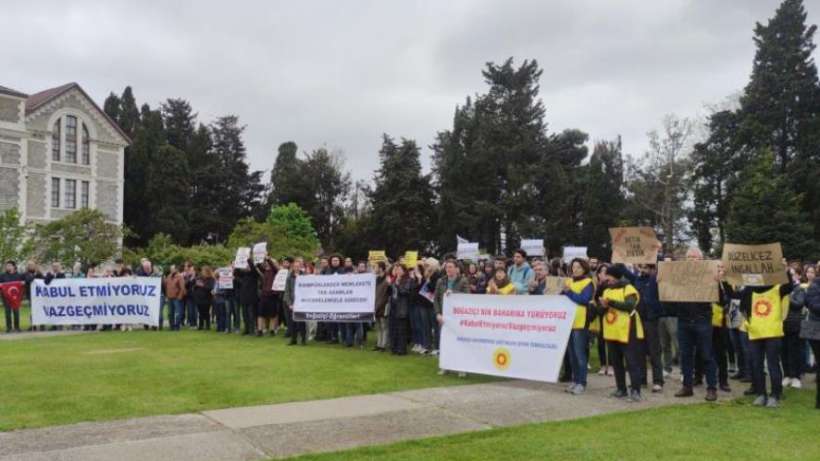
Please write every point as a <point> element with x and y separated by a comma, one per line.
<point>11,92</point>
<point>37,100</point>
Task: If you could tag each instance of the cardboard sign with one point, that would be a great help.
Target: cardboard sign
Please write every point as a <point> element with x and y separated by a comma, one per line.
<point>754,265</point>
<point>634,245</point>
<point>571,253</point>
<point>411,259</point>
<point>533,247</point>
<point>467,250</point>
<point>280,280</point>
<point>374,256</point>
<point>688,281</point>
<point>554,285</point>
<point>241,259</point>
<point>260,252</point>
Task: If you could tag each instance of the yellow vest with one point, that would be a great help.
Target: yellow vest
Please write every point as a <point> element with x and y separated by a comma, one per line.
<point>766,319</point>
<point>717,315</point>
<point>595,324</point>
<point>616,322</point>
<point>507,290</point>
<point>577,287</point>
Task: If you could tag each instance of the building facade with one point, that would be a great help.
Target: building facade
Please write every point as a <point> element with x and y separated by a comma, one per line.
<point>59,152</point>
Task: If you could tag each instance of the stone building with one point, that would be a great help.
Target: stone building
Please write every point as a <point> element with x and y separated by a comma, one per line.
<point>59,152</point>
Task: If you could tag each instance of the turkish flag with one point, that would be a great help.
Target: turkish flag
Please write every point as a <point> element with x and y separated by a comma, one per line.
<point>12,293</point>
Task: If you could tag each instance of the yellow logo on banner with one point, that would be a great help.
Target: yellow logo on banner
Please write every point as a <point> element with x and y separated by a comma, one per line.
<point>501,358</point>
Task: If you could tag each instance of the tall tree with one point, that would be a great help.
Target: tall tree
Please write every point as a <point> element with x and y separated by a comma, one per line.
<point>602,197</point>
<point>287,184</point>
<point>765,209</point>
<point>180,122</point>
<point>402,199</point>
<point>168,181</point>
<point>328,185</point>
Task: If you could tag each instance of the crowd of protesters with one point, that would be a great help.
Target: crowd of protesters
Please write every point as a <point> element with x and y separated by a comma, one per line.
<point>619,315</point>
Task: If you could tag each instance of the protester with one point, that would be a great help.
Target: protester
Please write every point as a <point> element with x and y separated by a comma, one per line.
<point>299,328</point>
<point>189,275</point>
<point>382,306</point>
<point>266,316</point>
<point>403,289</point>
<point>720,333</point>
<point>538,284</point>
<point>623,331</point>
<point>202,297</point>
<point>12,314</point>
<point>579,290</point>
<point>601,282</point>
<point>175,291</point>
<point>247,280</point>
<point>651,311</point>
<point>810,329</point>
<point>793,361</point>
<point>500,284</point>
<point>520,273</point>
<point>451,282</point>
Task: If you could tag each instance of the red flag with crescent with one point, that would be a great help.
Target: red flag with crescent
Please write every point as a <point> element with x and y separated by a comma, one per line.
<point>12,293</point>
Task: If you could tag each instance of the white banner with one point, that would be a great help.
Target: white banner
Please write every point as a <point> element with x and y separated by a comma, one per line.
<point>224,278</point>
<point>335,298</point>
<point>241,259</point>
<point>533,247</point>
<point>467,250</point>
<point>260,252</point>
<point>280,280</point>
<point>571,253</point>
<point>511,336</point>
<point>96,301</point>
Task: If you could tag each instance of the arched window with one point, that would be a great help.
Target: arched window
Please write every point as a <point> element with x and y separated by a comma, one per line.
<point>55,140</point>
<point>86,146</point>
<point>71,139</point>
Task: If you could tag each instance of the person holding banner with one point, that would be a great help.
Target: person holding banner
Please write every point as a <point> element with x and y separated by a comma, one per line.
<point>623,331</point>
<point>297,328</point>
<point>765,311</point>
<point>538,284</point>
<point>651,310</point>
<point>520,273</point>
<point>13,285</point>
<point>452,282</point>
<point>579,291</point>
<point>381,312</point>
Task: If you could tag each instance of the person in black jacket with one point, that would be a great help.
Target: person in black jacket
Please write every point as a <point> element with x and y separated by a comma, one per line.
<point>810,328</point>
<point>650,310</point>
<point>247,281</point>
<point>402,291</point>
<point>202,296</point>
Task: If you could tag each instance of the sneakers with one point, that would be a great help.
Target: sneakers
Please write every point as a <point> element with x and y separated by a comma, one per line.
<point>618,394</point>
<point>570,388</point>
<point>787,382</point>
<point>796,384</point>
<point>725,388</point>
<point>684,392</point>
<point>656,388</point>
<point>434,353</point>
<point>711,395</point>
<point>578,389</point>
<point>760,401</point>
<point>601,371</point>
<point>773,402</point>
<point>634,396</point>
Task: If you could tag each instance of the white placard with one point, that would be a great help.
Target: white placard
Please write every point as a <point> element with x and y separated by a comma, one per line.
<point>260,252</point>
<point>467,250</point>
<point>96,301</point>
<point>280,280</point>
<point>335,298</point>
<point>241,259</point>
<point>571,253</point>
<point>224,278</point>
<point>511,336</point>
<point>533,247</point>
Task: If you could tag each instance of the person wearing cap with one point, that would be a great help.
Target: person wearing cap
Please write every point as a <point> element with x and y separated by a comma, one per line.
<point>623,332</point>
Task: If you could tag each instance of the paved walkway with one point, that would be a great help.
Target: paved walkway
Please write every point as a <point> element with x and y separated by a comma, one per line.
<point>275,431</point>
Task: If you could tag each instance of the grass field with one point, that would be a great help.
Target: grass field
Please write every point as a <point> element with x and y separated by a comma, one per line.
<point>112,375</point>
<point>726,431</point>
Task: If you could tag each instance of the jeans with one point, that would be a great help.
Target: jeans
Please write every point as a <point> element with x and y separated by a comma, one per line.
<point>815,347</point>
<point>161,310</point>
<point>696,334</point>
<point>204,311</point>
<point>652,349</point>
<point>416,328</point>
<point>352,332</point>
<point>232,317</point>
<point>578,359</point>
<point>191,312</point>
<point>297,329</point>
<point>175,313</point>
<point>793,359</point>
<point>249,317</point>
<point>428,320</point>
<point>219,310</point>
<point>768,349</point>
<point>668,330</point>
<point>382,333</point>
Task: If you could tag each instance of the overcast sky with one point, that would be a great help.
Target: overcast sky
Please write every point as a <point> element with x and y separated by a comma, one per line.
<point>340,73</point>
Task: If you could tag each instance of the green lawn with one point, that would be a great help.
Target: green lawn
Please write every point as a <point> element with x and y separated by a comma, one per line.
<point>112,375</point>
<point>730,431</point>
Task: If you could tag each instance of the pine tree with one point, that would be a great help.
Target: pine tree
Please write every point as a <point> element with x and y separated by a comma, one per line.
<point>603,196</point>
<point>287,186</point>
<point>402,214</point>
<point>168,183</point>
<point>328,186</point>
<point>764,209</point>
<point>180,120</point>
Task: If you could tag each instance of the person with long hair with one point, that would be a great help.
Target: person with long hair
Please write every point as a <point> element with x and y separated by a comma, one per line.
<point>267,315</point>
<point>810,328</point>
<point>203,296</point>
<point>579,290</point>
<point>596,326</point>
<point>403,289</point>
<point>792,354</point>
<point>500,284</point>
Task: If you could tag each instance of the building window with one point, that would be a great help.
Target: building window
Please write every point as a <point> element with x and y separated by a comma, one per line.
<point>86,146</point>
<point>55,141</point>
<point>71,193</point>
<point>71,139</point>
<point>55,192</point>
<point>85,188</point>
